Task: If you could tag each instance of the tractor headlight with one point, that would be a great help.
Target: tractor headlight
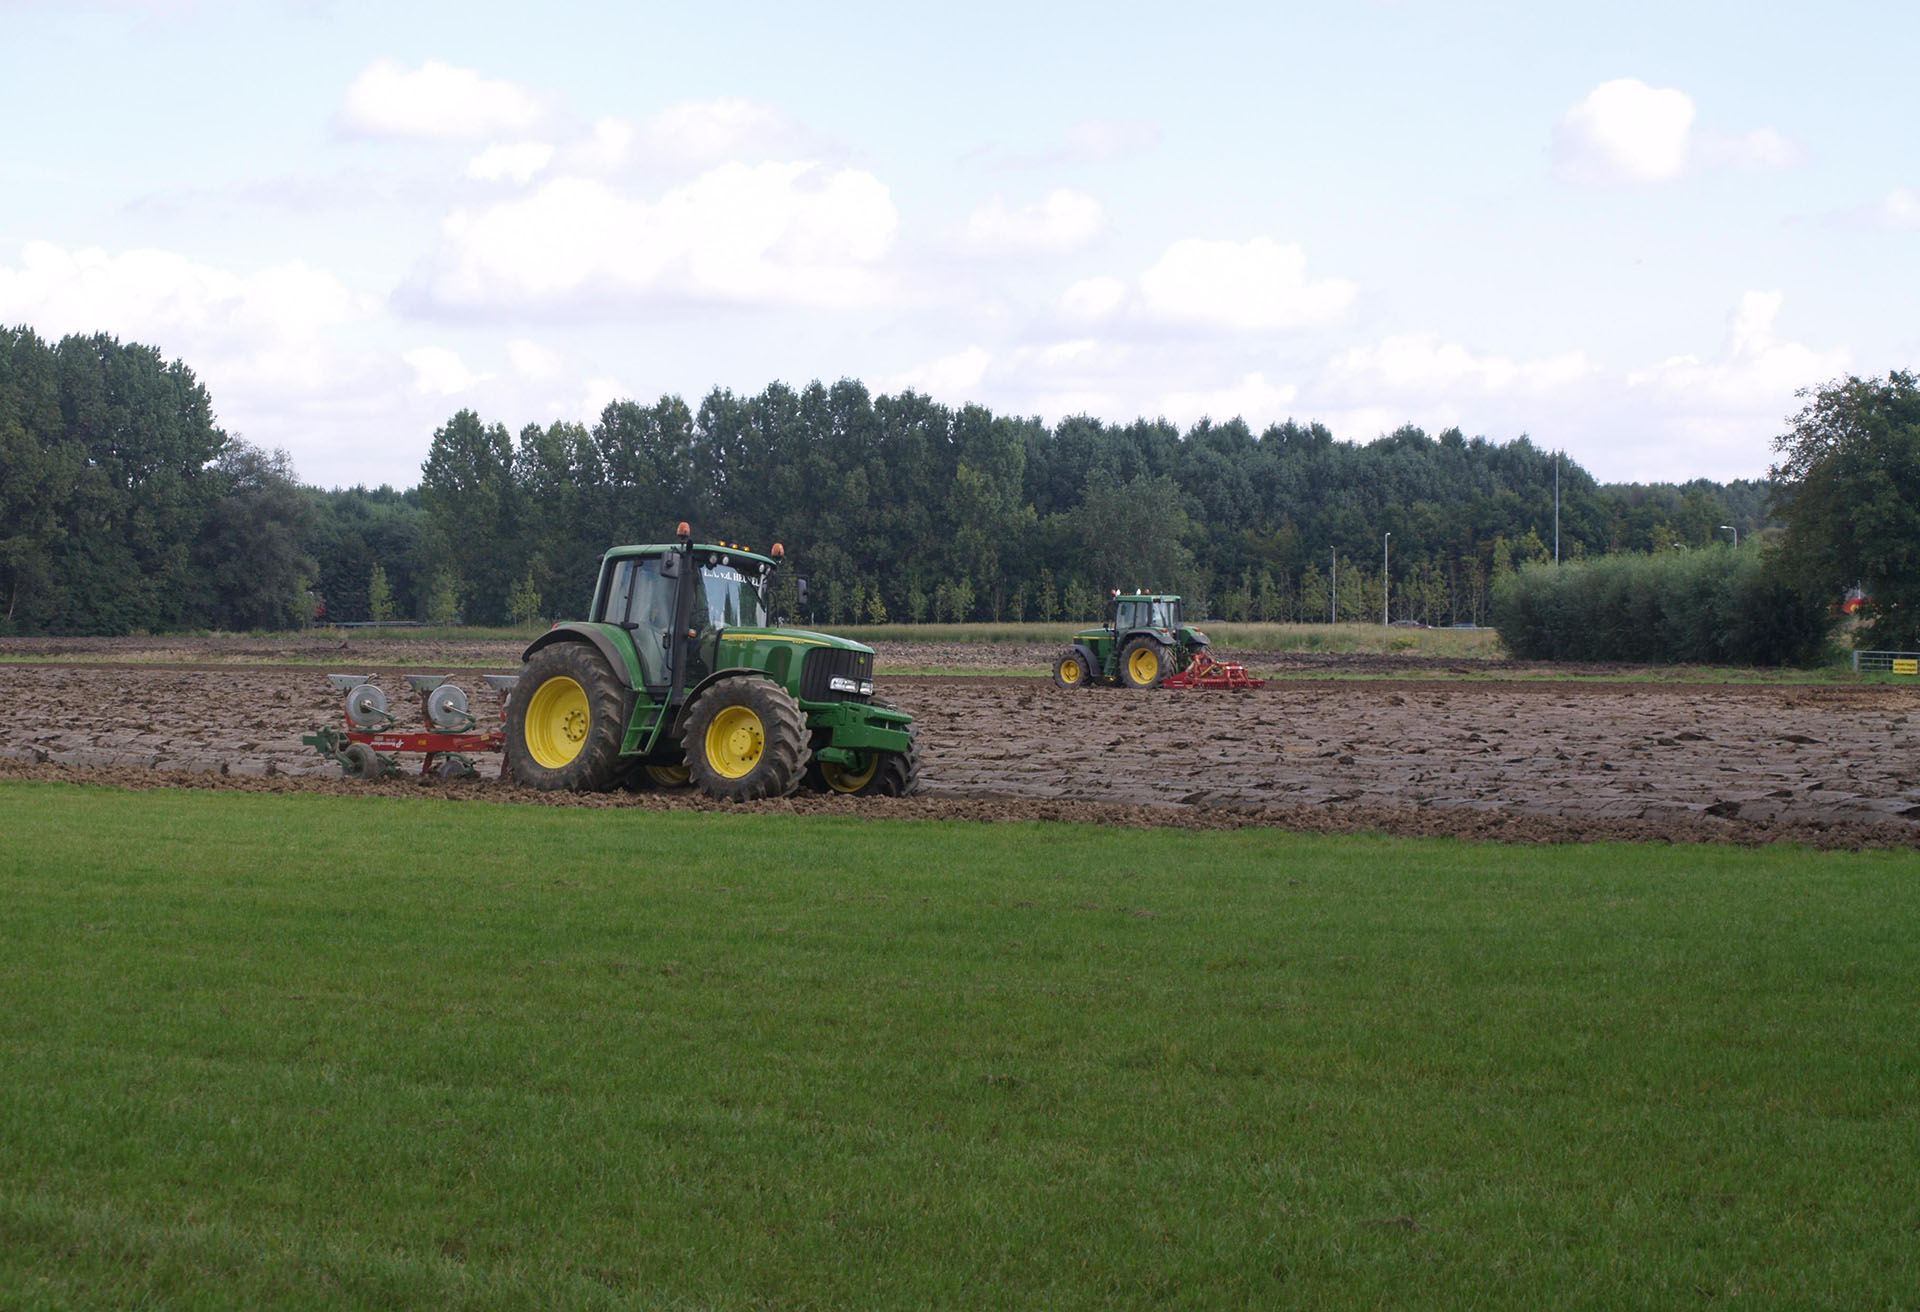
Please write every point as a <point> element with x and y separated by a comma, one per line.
<point>840,684</point>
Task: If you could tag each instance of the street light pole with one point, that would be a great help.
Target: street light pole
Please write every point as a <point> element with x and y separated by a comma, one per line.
<point>1385,579</point>
<point>1556,507</point>
<point>1736,535</point>
<point>1333,605</point>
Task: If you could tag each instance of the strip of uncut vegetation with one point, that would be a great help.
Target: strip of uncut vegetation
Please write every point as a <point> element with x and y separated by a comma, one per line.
<point>311,1051</point>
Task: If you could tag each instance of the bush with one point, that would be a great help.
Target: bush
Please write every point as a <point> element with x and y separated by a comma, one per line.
<point>1716,606</point>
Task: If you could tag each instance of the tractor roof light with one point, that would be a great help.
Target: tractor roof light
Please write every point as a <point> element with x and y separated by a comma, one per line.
<point>684,531</point>
<point>779,552</point>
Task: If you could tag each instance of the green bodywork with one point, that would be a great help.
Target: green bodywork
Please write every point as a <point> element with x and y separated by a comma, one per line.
<point>635,608</point>
<point>1157,614</point>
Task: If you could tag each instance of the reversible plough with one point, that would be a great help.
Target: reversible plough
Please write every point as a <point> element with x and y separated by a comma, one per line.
<point>363,749</point>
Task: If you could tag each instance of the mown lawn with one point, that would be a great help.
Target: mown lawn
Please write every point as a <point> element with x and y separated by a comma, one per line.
<point>362,1052</point>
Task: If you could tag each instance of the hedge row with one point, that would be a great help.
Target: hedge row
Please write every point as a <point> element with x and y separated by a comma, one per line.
<point>1713,606</point>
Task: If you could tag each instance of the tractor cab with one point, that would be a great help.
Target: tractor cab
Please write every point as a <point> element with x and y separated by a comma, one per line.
<point>1161,615</point>
<point>692,593</point>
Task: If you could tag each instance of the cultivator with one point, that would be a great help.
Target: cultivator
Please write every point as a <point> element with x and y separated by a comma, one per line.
<point>1206,672</point>
<point>364,748</point>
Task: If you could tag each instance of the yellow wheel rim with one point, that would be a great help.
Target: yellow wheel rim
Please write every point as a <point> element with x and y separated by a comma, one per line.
<point>846,779</point>
<point>668,776</point>
<point>557,720</point>
<point>1143,664</point>
<point>1069,671</point>
<point>735,740</point>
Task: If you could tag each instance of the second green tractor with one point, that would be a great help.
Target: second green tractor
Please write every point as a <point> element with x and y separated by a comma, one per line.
<point>1145,639</point>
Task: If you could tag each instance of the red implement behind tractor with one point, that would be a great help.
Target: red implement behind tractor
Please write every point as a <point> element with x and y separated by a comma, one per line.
<point>1206,672</point>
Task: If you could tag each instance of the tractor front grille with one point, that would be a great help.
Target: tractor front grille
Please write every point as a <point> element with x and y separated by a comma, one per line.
<point>825,664</point>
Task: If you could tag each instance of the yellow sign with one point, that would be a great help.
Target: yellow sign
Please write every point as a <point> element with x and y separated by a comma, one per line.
<point>1906,667</point>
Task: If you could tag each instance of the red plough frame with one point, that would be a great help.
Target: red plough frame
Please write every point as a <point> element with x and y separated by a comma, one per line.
<point>1206,672</point>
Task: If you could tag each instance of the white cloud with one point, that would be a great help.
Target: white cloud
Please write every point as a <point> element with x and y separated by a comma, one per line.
<point>596,395</point>
<point>1756,373</point>
<point>1090,141</point>
<point>1253,399</point>
<point>697,133</point>
<point>1065,403</point>
<point>436,101</point>
<point>792,233</point>
<point>1111,138</point>
<point>1900,211</point>
<point>608,147</point>
<point>1059,354</point>
<point>438,371</point>
<point>518,162</point>
<point>1763,150</point>
<point>532,360</point>
<point>1246,286</point>
<point>1625,131</point>
<point>951,378</point>
<point>1420,378</point>
<point>1092,299</point>
<point>288,353</point>
<point>266,326</point>
<point>1422,366</point>
<point>1065,221</point>
<point>712,130</point>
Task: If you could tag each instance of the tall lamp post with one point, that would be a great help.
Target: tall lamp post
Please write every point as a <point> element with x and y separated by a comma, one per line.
<point>1333,603</point>
<point>1556,507</point>
<point>1385,581</point>
<point>1736,535</point>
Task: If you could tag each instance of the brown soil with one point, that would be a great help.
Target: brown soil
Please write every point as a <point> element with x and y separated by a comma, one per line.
<point>1520,760</point>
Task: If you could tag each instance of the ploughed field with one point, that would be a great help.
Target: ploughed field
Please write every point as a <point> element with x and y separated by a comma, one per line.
<point>1522,757</point>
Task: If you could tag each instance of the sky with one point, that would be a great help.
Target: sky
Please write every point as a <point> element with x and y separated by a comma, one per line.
<point>1628,231</point>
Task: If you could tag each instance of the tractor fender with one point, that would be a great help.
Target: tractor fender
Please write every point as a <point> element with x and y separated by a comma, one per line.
<point>732,672</point>
<point>616,660</point>
<point>1089,662</point>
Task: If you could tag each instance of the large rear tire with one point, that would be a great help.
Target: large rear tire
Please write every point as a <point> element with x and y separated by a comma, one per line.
<point>875,774</point>
<point>745,739</point>
<point>567,720</point>
<point>1144,662</point>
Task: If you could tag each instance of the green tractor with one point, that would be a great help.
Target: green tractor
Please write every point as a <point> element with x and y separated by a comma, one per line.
<point>676,677</point>
<point>1146,638</point>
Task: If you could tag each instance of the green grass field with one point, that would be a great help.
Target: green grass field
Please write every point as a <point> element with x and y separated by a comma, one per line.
<point>311,1051</point>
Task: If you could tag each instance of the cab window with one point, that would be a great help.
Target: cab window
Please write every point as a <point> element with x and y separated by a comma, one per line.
<point>637,593</point>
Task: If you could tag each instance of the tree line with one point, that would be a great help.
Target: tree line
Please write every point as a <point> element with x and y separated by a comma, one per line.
<point>904,509</point>
<point>124,506</point>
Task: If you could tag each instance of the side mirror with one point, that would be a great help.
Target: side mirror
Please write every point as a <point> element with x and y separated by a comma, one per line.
<point>800,593</point>
<point>670,565</point>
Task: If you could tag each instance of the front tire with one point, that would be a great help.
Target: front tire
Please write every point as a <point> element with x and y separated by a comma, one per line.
<point>1143,663</point>
<point>877,774</point>
<point>667,776</point>
<point>745,739</point>
<point>567,720</point>
<point>1071,671</point>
